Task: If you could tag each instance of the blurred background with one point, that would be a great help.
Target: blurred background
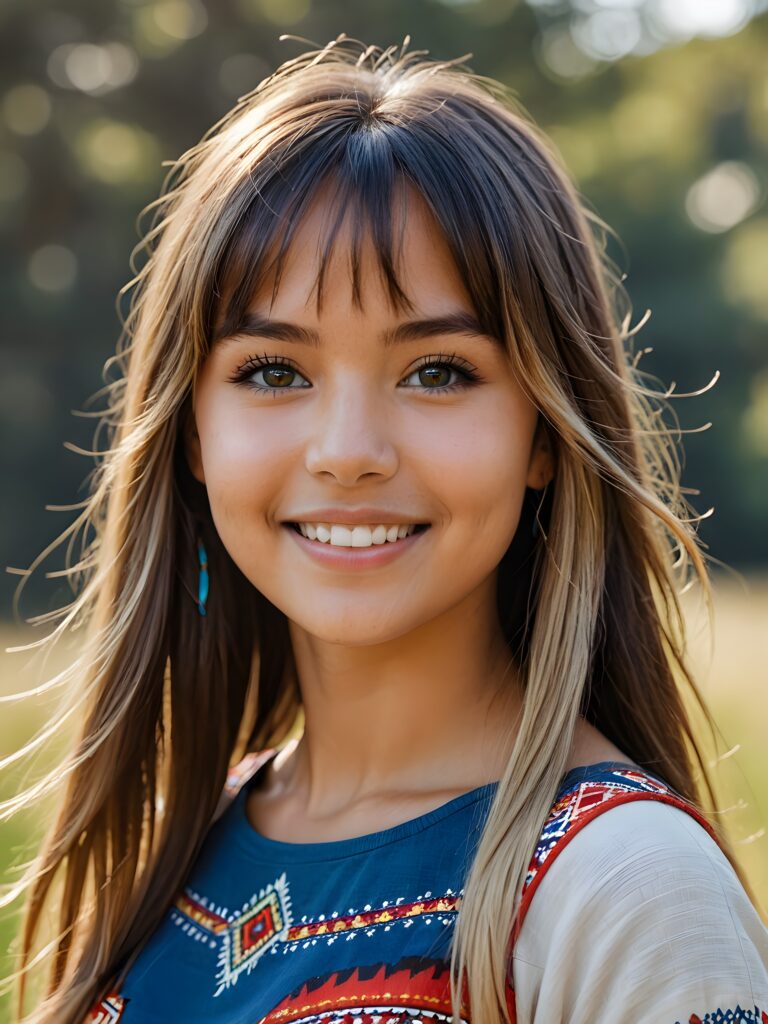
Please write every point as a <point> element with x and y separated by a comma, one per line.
<point>660,111</point>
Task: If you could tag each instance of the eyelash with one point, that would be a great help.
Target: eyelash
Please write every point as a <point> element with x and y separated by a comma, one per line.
<point>252,364</point>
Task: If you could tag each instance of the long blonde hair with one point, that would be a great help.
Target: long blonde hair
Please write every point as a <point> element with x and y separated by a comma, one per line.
<point>589,607</point>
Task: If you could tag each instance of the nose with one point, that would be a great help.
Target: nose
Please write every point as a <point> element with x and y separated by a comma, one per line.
<point>349,436</point>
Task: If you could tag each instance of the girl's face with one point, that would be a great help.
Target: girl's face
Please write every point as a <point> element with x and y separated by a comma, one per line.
<point>358,417</point>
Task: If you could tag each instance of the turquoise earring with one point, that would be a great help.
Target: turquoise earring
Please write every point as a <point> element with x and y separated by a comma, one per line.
<point>202,581</point>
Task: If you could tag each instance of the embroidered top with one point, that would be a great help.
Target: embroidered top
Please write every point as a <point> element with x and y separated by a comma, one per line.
<point>642,919</point>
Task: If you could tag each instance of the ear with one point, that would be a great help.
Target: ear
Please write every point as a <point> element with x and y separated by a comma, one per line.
<point>541,465</point>
<point>191,440</point>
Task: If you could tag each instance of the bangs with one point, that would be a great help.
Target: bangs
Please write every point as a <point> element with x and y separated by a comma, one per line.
<point>369,171</point>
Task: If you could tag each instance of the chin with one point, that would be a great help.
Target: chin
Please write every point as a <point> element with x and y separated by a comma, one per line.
<point>351,629</point>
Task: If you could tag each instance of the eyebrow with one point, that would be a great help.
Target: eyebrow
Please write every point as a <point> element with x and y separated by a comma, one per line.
<point>460,322</point>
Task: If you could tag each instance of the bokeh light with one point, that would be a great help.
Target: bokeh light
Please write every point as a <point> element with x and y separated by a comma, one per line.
<point>181,19</point>
<point>26,109</point>
<point>607,35</point>
<point>52,268</point>
<point>683,19</point>
<point>723,197</point>
<point>93,69</point>
<point>116,153</point>
<point>607,30</point>
<point>160,28</point>
<point>559,54</point>
<point>745,266</point>
<point>614,4</point>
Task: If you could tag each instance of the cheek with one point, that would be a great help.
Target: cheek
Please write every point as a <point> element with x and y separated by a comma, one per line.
<point>245,454</point>
<point>479,466</point>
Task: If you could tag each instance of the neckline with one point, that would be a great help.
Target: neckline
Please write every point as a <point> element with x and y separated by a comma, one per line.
<point>337,849</point>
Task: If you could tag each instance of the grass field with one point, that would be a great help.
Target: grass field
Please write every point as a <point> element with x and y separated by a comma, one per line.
<point>734,682</point>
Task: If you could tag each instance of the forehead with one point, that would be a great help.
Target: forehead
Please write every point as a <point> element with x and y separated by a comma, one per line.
<point>331,239</point>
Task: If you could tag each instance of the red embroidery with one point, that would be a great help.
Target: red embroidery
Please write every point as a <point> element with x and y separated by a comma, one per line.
<point>570,813</point>
<point>109,1010</point>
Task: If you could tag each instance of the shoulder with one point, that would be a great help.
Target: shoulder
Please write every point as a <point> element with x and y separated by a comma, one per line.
<point>637,849</point>
<point>642,913</point>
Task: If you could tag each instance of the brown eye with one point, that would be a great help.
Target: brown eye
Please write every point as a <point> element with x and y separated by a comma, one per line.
<point>434,374</point>
<point>438,375</point>
<point>277,376</point>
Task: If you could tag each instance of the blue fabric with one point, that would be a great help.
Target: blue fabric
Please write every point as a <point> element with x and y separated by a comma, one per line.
<point>268,931</point>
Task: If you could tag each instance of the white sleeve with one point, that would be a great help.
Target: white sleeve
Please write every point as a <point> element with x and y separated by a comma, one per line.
<point>641,918</point>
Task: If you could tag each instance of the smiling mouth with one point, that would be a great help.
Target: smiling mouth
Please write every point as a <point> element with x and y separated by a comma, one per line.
<point>418,528</point>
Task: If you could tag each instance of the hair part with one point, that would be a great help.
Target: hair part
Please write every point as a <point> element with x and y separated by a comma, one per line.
<point>589,609</point>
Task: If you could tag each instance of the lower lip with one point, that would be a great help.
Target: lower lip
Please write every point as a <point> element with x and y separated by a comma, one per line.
<point>355,558</point>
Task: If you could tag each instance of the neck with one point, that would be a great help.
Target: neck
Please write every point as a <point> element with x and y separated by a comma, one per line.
<point>434,710</point>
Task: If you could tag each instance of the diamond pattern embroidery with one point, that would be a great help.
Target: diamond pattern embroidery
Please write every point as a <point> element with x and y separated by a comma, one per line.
<point>263,921</point>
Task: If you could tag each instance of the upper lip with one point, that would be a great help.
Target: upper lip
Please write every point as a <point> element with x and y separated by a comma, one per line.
<point>355,517</point>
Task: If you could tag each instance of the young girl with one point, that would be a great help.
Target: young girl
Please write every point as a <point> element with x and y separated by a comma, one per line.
<point>382,590</point>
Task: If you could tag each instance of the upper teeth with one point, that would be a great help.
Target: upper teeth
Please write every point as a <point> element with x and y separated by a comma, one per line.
<point>354,536</point>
